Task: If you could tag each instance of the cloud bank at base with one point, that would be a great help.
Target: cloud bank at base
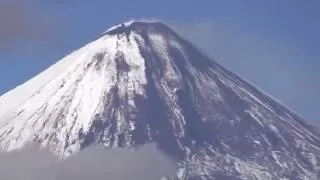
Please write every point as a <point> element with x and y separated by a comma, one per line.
<point>31,163</point>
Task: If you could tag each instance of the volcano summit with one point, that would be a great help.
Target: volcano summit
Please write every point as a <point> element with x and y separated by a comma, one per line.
<point>139,83</point>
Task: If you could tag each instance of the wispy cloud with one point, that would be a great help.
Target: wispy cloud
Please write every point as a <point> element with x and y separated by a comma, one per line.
<point>21,20</point>
<point>31,163</point>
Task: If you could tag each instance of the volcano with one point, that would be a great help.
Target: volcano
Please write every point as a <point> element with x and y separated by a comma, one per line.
<point>140,82</point>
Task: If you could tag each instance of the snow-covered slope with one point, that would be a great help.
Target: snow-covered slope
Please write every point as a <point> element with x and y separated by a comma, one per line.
<point>15,97</point>
<point>140,82</point>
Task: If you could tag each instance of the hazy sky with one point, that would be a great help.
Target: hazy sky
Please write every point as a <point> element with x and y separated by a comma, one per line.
<point>274,44</point>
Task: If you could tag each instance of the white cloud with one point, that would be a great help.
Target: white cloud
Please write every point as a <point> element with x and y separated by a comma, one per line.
<point>31,163</point>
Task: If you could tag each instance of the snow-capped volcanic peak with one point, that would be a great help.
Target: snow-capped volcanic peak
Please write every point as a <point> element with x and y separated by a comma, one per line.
<point>65,100</point>
<point>140,82</point>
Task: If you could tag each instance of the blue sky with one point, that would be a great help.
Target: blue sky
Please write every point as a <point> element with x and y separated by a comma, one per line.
<point>274,44</point>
